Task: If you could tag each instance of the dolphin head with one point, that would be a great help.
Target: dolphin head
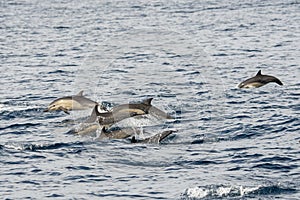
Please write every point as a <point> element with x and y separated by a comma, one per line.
<point>52,107</point>
<point>75,102</point>
<point>64,104</point>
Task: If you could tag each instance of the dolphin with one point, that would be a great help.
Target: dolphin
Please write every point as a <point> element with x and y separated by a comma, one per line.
<point>68,103</point>
<point>109,118</point>
<point>85,129</point>
<point>118,133</point>
<point>123,111</point>
<point>258,81</point>
<point>145,107</point>
<point>153,139</point>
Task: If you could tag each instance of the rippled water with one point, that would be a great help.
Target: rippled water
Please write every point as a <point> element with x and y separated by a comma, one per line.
<point>189,56</point>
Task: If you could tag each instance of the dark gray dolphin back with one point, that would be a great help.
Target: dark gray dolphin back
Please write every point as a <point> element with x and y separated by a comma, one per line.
<point>143,106</point>
<point>267,78</point>
<point>86,102</point>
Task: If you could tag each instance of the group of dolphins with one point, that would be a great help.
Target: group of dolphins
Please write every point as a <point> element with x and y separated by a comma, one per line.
<point>105,118</point>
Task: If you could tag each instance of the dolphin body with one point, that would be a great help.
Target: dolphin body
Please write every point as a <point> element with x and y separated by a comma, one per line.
<point>258,81</point>
<point>123,133</point>
<point>156,139</point>
<point>88,129</point>
<point>145,107</point>
<point>118,134</point>
<point>85,129</point>
<point>68,103</point>
<point>109,118</point>
<point>128,132</point>
<point>120,112</point>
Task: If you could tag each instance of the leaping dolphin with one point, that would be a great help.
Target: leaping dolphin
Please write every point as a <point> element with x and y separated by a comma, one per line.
<point>258,81</point>
<point>68,103</point>
<point>124,111</point>
<point>145,107</point>
<point>110,117</point>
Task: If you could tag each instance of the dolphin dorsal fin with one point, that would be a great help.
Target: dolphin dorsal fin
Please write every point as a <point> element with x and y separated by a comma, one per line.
<point>96,110</point>
<point>80,93</point>
<point>258,73</point>
<point>103,130</point>
<point>133,140</point>
<point>94,115</point>
<point>147,101</point>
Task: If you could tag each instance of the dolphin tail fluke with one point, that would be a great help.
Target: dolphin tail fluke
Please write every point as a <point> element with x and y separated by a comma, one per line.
<point>276,80</point>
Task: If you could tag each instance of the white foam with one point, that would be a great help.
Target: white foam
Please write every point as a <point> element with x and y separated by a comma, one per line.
<point>14,146</point>
<point>218,191</point>
<point>223,191</point>
<point>196,192</point>
<point>137,121</point>
<point>247,190</point>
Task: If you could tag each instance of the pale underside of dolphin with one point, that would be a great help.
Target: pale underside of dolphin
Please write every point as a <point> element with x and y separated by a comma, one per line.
<point>259,80</point>
<point>68,103</point>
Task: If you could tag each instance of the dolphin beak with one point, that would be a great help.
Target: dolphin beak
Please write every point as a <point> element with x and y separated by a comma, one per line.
<point>46,110</point>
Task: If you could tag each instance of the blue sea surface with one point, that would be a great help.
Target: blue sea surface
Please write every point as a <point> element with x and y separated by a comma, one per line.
<point>189,56</point>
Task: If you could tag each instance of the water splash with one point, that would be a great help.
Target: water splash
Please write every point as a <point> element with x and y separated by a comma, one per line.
<point>220,191</point>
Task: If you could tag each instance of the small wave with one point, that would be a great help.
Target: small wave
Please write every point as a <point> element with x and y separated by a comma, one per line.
<point>10,111</point>
<point>219,191</point>
<point>61,27</point>
<point>58,72</point>
<point>17,126</point>
<point>276,166</point>
<point>40,147</point>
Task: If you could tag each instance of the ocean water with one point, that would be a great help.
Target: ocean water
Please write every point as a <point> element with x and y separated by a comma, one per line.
<point>189,56</point>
